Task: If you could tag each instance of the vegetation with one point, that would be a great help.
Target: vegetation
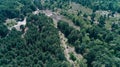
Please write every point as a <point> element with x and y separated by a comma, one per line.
<point>39,47</point>
<point>100,4</point>
<point>72,57</point>
<point>96,44</point>
<point>38,43</point>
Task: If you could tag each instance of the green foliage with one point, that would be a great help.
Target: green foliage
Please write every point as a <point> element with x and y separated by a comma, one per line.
<point>82,63</point>
<point>38,44</point>
<point>100,4</point>
<point>65,28</point>
<point>39,47</point>
<point>72,57</point>
<point>3,30</point>
<point>93,44</point>
<point>101,21</point>
<point>15,8</point>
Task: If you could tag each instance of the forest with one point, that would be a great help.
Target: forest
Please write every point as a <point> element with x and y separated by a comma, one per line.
<point>91,29</point>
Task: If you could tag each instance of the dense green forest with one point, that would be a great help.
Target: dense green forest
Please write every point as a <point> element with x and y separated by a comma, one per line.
<point>38,43</point>
<point>39,47</point>
<point>113,5</point>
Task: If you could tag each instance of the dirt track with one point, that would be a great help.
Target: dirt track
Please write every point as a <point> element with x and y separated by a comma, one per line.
<point>64,41</point>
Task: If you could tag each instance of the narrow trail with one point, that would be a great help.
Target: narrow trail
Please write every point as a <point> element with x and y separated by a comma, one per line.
<point>64,41</point>
<point>25,30</point>
<point>68,49</point>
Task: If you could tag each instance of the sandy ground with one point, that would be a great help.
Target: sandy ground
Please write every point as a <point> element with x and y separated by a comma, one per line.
<point>19,23</point>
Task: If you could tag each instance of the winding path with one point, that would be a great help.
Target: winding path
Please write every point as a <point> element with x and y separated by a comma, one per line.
<point>64,41</point>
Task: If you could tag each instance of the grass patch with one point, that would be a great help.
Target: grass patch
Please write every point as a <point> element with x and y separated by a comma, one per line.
<point>78,7</point>
<point>10,22</point>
